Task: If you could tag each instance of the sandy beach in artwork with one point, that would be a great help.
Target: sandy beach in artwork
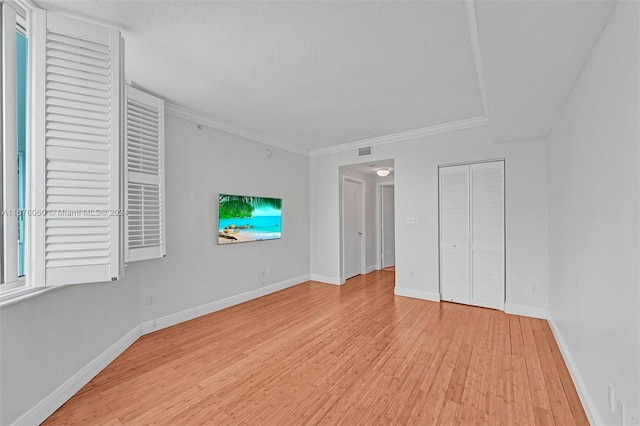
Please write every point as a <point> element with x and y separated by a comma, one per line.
<point>227,238</point>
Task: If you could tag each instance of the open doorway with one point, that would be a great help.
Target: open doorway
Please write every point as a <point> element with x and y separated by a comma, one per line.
<point>361,203</point>
<point>387,226</point>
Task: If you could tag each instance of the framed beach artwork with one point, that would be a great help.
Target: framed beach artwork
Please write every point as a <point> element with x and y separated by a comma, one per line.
<point>244,218</point>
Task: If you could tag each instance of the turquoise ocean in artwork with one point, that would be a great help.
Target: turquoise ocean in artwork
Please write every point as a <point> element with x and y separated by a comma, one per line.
<point>258,227</point>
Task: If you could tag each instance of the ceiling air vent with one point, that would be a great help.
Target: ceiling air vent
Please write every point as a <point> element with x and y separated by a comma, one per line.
<point>364,151</point>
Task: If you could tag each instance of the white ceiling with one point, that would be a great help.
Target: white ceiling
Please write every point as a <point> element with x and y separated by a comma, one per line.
<point>311,75</point>
<point>532,54</point>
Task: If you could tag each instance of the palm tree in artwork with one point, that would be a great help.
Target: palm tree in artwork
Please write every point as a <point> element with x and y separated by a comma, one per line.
<point>236,206</point>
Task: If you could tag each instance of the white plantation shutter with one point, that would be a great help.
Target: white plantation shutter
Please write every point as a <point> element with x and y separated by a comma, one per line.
<point>454,233</point>
<point>144,176</point>
<point>487,234</point>
<point>75,159</point>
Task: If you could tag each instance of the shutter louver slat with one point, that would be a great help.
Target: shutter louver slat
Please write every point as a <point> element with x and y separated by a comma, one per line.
<point>79,75</point>
<point>58,78</point>
<point>59,118</point>
<point>88,71</point>
<point>145,144</point>
<point>62,84</point>
<point>84,47</point>
<point>91,238</point>
<point>76,144</point>
<point>56,127</point>
<point>82,137</point>
<point>77,58</point>
<point>86,99</point>
<point>70,107</point>
<point>80,120</point>
<point>142,130</point>
<point>77,175</point>
<point>140,113</point>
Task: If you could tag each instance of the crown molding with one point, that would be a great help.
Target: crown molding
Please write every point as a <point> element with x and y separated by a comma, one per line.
<point>196,117</point>
<point>234,129</point>
<point>403,136</point>
<point>483,120</point>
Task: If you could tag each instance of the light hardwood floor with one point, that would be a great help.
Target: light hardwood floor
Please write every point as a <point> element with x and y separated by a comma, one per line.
<point>322,354</point>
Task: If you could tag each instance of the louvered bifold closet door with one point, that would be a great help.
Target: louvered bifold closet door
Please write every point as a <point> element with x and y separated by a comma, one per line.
<point>76,154</point>
<point>487,235</point>
<point>144,177</point>
<point>454,234</point>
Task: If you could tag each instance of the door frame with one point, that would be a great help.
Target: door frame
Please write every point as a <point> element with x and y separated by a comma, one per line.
<point>379,247</point>
<point>361,205</point>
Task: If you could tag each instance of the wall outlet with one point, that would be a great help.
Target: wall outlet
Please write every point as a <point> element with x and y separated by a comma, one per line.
<point>412,274</point>
<point>534,288</point>
<point>268,272</point>
<point>151,299</point>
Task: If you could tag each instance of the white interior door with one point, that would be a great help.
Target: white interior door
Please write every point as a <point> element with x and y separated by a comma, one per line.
<point>387,226</point>
<point>487,234</point>
<point>454,234</point>
<point>352,226</point>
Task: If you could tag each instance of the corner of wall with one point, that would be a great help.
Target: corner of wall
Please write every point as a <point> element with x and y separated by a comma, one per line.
<point>583,391</point>
<point>525,310</point>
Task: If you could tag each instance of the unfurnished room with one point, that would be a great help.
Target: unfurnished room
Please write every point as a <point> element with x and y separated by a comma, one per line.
<point>320,212</point>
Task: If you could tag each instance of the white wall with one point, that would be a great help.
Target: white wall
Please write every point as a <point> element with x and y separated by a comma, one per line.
<point>594,221</point>
<point>45,340</point>
<point>200,165</point>
<point>49,338</point>
<point>416,196</point>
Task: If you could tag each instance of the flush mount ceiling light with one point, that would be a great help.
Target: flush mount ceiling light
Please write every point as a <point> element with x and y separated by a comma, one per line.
<point>383,172</point>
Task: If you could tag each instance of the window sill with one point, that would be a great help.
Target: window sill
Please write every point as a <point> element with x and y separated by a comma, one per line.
<point>16,295</point>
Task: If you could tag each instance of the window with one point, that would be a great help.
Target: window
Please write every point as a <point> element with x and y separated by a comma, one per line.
<point>61,156</point>
<point>15,47</point>
<point>22,47</point>
<point>62,89</point>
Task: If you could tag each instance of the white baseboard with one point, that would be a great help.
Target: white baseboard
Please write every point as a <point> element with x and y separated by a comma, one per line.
<point>417,294</point>
<point>369,268</point>
<point>525,310</point>
<point>62,394</point>
<point>585,397</point>
<point>198,311</point>
<point>58,397</point>
<point>326,279</point>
